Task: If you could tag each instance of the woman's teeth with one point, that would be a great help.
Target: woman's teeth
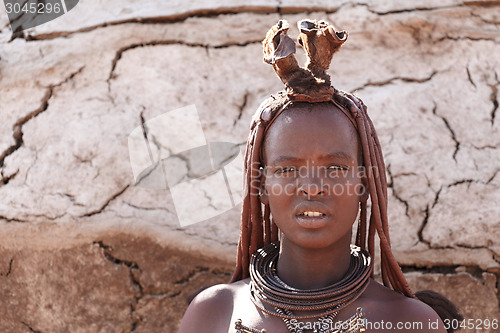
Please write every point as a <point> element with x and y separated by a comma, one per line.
<point>312,214</point>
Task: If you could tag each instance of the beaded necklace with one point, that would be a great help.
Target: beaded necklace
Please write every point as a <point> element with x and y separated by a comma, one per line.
<point>266,288</point>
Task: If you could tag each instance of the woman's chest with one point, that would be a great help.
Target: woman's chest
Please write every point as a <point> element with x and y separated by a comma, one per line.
<point>247,318</point>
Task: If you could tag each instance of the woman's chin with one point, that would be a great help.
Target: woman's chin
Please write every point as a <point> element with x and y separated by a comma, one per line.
<point>317,242</point>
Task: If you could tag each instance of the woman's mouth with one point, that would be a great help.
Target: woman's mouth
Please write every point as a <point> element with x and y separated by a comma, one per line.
<point>312,219</point>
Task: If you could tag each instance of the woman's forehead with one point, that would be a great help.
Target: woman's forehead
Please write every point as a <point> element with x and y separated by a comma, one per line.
<point>304,117</point>
<point>304,127</point>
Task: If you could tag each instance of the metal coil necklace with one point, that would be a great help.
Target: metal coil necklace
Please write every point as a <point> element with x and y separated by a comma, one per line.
<point>266,288</point>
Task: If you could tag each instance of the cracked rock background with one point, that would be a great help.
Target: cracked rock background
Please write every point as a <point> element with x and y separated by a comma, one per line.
<point>85,249</point>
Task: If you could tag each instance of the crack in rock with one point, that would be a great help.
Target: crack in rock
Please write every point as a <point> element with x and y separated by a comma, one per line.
<point>30,328</point>
<point>11,219</point>
<point>420,232</point>
<point>204,236</point>
<point>181,17</point>
<point>401,78</point>
<point>441,269</point>
<point>6,179</point>
<point>390,184</point>
<point>468,247</point>
<point>70,197</point>
<point>209,198</point>
<point>145,134</point>
<point>485,20</point>
<point>103,207</point>
<point>484,147</point>
<point>408,10</point>
<point>198,270</point>
<point>145,129</point>
<point>493,98</point>
<point>463,181</point>
<point>470,77</point>
<point>9,270</point>
<point>132,266</point>
<point>242,108</point>
<point>147,208</point>
<point>492,176</point>
<point>422,227</point>
<point>17,128</point>
<point>436,198</point>
<point>119,53</point>
<point>452,132</point>
<point>435,202</point>
<point>51,218</point>
<point>459,38</point>
<point>475,272</point>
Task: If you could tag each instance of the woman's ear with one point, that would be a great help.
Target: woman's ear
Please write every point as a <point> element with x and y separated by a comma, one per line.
<point>365,193</point>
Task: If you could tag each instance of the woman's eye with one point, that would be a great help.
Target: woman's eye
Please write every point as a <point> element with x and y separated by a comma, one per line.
<point>286,170</point>
<point>337,167</point>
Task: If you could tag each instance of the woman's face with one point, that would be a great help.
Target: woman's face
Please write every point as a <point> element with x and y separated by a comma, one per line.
<point>312,180</point>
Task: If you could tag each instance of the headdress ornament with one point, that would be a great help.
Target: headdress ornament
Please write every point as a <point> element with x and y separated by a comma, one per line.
<point>311,83</point>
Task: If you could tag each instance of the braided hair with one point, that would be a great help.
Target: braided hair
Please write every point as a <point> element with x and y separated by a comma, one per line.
<point>312,84</point>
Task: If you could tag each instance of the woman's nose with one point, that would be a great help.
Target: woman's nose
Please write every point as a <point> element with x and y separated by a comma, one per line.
<point>312,188</point>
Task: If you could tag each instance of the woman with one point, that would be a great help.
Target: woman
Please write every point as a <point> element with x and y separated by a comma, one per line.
<point>313,162</point>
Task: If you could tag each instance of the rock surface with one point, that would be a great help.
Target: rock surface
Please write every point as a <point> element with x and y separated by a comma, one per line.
<point>85,249</point>
<point>477,296</point>
<point>109,282</point>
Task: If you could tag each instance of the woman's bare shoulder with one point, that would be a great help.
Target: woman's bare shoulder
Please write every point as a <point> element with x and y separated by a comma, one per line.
<point>211,309</point>
<point>408,313</point>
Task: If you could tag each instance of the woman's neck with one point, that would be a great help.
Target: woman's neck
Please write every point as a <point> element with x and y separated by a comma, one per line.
<point>305,268</point>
